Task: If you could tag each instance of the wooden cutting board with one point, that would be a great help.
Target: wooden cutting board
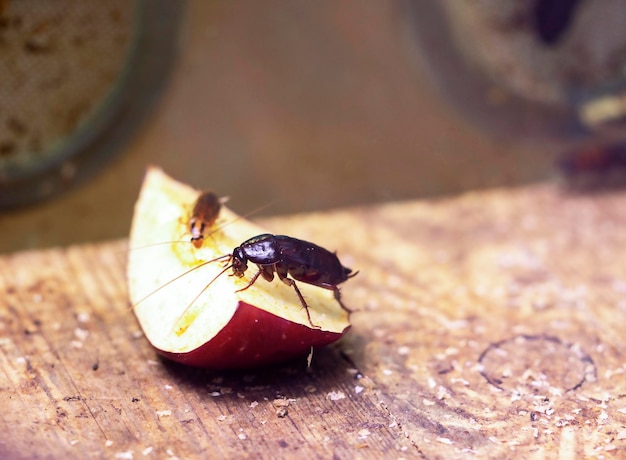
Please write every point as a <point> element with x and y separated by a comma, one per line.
<point>488,325</point>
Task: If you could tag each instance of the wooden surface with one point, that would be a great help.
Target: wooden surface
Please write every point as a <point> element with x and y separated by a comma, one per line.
<point>493,324</point>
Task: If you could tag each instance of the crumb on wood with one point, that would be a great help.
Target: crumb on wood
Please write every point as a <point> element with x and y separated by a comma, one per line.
<point>336,395</point>
<point>367,383</point>
<point>83,317</point>
<point>281,405</point>
<point>81,334</point>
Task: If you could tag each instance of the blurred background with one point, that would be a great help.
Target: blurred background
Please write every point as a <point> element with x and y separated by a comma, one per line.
<point>304,105</point>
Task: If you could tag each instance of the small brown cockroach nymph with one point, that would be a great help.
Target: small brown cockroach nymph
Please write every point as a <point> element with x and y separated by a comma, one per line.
<point>205,212</point>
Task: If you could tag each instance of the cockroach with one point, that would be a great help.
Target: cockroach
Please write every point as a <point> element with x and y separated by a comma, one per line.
<point>289,258</point>
<point>203,216</point>
<point>205,212</point>
<point>200,222</point>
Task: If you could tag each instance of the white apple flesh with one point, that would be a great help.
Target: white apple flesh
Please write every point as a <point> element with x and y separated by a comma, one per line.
<point>215,326</point>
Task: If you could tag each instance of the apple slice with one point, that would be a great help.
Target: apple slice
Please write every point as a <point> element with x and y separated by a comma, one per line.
<point>215,326</point>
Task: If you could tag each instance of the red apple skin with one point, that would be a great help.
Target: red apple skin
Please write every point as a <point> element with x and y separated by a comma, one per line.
<point>253,338</point>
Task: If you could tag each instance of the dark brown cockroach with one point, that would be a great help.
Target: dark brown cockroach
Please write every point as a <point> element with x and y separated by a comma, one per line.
<point>289,258</point>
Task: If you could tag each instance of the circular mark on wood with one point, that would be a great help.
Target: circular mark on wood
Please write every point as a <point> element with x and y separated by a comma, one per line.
<point>529,364</point>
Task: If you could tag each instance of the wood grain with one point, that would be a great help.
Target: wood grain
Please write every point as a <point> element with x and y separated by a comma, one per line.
<point>490,324</point>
